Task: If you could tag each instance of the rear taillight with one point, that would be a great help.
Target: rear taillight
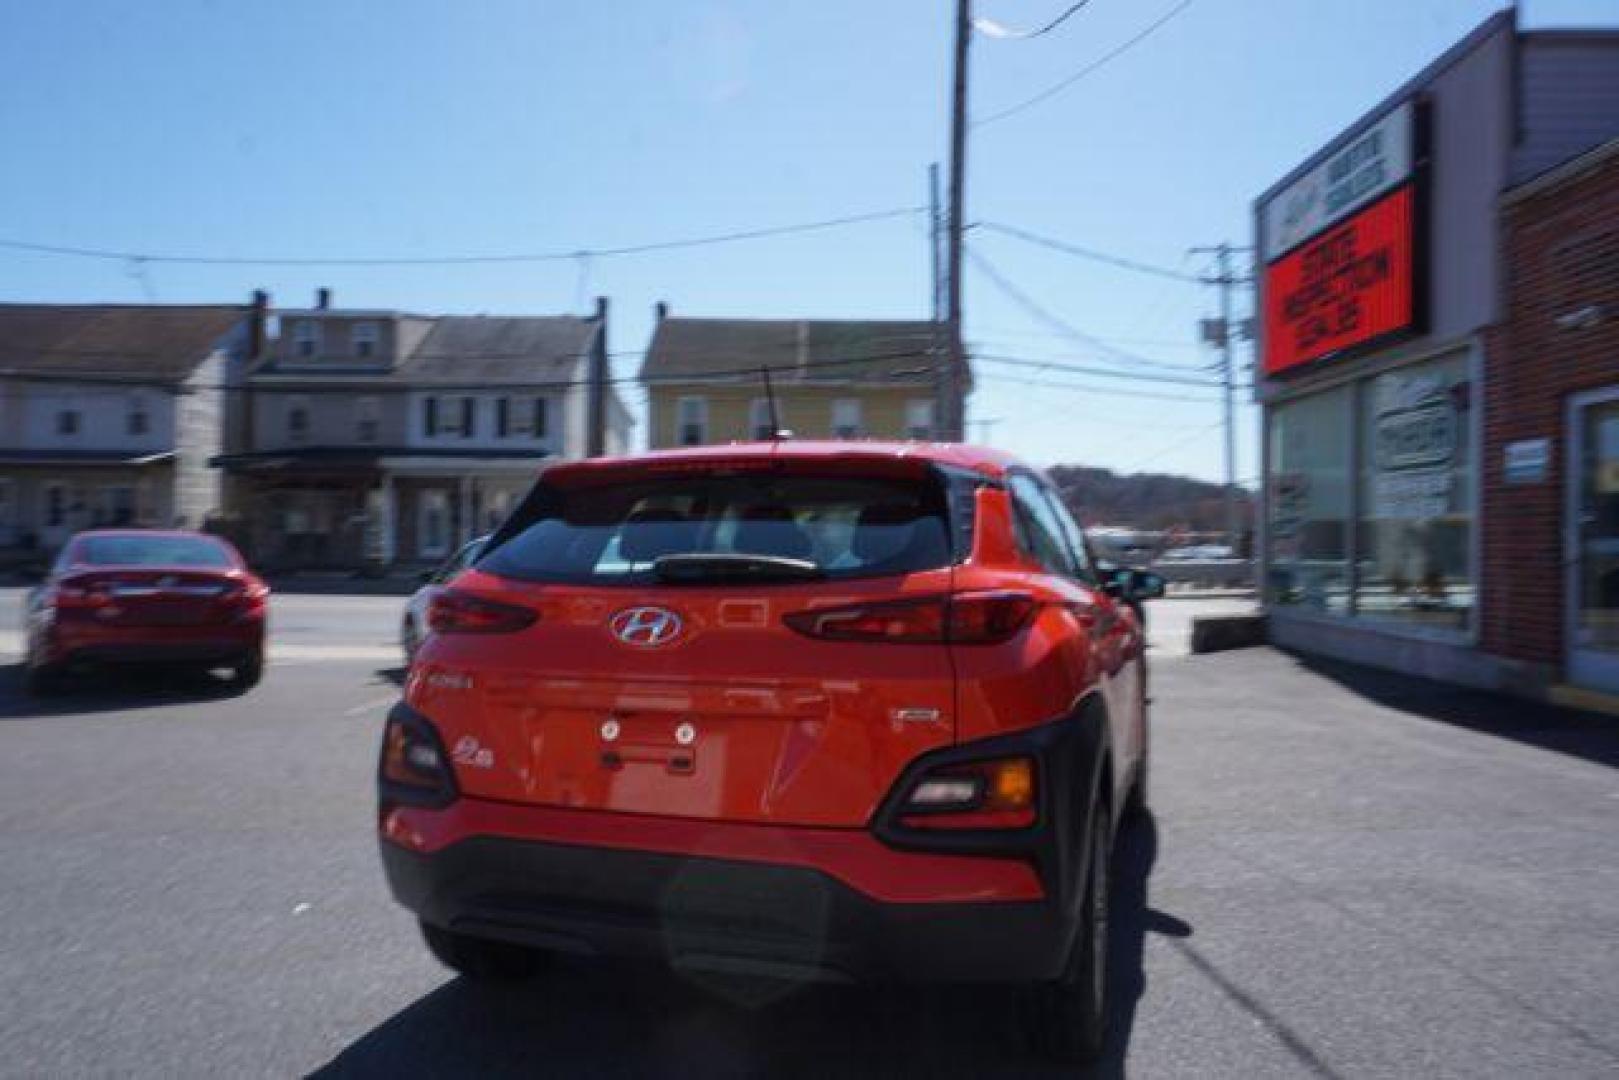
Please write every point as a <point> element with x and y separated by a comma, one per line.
<point>996,794</point>
<point>71,596</point>
<point>454,612</point>
<point>414,769</point>
<point>977,618</point>
<point>246,600</point>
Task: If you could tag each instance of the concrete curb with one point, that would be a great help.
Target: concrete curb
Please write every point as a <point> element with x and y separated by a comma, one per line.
<point>1217,633</point>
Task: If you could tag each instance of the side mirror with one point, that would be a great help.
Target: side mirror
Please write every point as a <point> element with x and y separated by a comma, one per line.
<point>1147,585</point>
<point>1132,586</point>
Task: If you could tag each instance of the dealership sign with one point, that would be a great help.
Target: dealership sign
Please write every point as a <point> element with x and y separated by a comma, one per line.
<point>1376,161</point>
<point>1339,247</point>
<point>1352,284</point>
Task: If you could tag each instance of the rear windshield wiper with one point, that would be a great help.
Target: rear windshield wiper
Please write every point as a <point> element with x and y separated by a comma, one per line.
<point>682,569</point>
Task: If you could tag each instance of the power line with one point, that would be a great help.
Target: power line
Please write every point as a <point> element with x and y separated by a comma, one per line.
<point>1172,447</point>
<point>1099,62</point>
<point>991,28</point>
<point>995,333</point>
<point>1040,312</point>
<point>1078,369</point>
<point>141,258</point>
<point>349,382</point>
<point>1119,261</point>
<point>1112,391</point>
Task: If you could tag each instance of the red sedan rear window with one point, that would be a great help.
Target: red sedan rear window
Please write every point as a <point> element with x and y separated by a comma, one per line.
<point>197,551</point>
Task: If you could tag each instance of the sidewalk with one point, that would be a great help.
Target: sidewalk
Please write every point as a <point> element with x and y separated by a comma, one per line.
<point>346,583</point>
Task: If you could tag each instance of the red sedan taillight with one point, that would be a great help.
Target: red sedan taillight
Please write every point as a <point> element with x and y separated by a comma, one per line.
<point>975,618</point>
<point>455,612</point>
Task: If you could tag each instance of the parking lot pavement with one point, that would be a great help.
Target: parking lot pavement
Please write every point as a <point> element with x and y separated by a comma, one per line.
<point>1347,875</point>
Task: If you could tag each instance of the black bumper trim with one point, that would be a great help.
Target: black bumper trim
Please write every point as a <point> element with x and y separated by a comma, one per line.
<point>719,914</point>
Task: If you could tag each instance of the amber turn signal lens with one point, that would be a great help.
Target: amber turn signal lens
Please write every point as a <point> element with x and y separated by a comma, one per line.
<point>1011,785</point>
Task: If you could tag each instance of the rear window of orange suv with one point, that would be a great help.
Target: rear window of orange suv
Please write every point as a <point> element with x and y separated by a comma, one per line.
<point>846,527</point>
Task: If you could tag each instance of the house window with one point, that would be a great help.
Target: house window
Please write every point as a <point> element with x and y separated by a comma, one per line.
<point>919,418</point>
<point>306,338</point>
<point>469,414</point>
<point>433,525</point>
<point>115,505</point>
<point>496,510</point>
<point>503,417</point>
<point>297,420</point>
<point>365,337</point>
<point>692,421</point>
<point>55,506</point>
<point>138,421</point>
<point>761,425</point>
<point>542,417</point>
<point>367,419</point>
<point>430,416</point>
<point>67,422</point>
<point>846,420</point>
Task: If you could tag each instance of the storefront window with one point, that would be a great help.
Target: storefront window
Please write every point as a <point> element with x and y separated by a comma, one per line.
<point>1414,547</point>
<point>1309,503</point>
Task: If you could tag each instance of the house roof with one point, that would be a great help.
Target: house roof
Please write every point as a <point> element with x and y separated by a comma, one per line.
<point>490,348</point>
<point>826,351</point>
<point>145,341</point>
<point>465,351</point>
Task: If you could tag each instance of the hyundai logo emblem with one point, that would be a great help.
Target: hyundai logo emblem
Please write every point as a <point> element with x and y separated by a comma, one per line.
<point>645,626</point>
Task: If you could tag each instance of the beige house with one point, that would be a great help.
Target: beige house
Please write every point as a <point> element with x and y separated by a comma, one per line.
<point>109,415</point>
<point>833,379</point>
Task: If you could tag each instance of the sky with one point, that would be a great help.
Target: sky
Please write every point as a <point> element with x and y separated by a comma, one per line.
<point>404,128</point>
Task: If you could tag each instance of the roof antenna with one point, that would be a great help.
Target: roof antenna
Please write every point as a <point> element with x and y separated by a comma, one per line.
<point>770,397</point>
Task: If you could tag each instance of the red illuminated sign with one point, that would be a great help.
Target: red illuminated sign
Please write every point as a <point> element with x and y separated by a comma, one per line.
<point>1350,285</point>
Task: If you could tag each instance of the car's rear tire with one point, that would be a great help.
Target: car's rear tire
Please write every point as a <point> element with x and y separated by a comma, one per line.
<point>1136,805</point>
<point>41,680</point>
<point>1068,1016</point>
<point>481,959</point>
<point>410,639</point>
<point>248,671</point>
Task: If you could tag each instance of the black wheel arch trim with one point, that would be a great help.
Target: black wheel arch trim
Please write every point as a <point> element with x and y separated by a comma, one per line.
<point>1070,755</point>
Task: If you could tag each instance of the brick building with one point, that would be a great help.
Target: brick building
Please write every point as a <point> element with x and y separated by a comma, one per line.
<point>1436,292</point>
<point>1551,430</point>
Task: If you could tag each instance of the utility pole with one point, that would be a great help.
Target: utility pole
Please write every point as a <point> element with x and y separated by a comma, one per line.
<point>1222,335</point>
<point>938,347</point>
<point>950,422</point>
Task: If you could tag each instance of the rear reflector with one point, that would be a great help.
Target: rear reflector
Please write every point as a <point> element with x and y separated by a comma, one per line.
<point>455,612</point>
<point>982,618</point>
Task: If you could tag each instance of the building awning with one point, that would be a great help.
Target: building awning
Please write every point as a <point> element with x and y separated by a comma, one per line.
<point>83,458</point>
<point>333,459</point>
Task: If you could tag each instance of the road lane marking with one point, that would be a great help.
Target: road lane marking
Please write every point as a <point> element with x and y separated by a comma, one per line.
<point>370,705</point>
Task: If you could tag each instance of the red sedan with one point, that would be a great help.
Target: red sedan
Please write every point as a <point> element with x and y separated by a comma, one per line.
<point>139,596</point>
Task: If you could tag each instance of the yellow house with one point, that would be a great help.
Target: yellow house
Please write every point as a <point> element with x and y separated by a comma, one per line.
<point>833,379</point>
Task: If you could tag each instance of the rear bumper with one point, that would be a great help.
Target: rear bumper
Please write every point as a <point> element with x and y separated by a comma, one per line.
<point>888,902</point>
<point>154,644</point>
<point>706,913</point>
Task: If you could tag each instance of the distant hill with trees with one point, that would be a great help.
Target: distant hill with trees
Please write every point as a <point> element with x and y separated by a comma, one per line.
<point>1145,500</point>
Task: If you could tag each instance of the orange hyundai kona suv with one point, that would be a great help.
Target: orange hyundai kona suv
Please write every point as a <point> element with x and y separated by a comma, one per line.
<point>785,709</point>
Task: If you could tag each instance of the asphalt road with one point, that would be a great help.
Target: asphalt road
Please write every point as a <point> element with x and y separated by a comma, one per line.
<point>1348,875</point>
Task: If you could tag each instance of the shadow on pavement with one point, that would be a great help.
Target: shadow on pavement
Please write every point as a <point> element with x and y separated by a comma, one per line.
<point>1549,727</point>
<point>111,690</point>
<point>394,676</point>
<point>609,1019</point>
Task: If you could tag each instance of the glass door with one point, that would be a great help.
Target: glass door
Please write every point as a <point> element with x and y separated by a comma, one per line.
<point>1593,541</point>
